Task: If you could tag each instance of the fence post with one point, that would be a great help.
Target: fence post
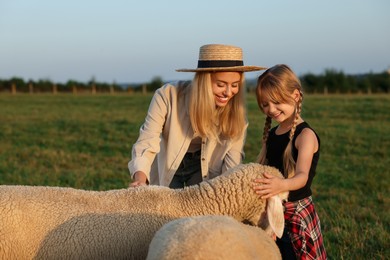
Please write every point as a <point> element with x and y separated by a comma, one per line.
<point>30,87</point>
<point>93,88</point>
<point>129,89</point>
<point>13,88</point>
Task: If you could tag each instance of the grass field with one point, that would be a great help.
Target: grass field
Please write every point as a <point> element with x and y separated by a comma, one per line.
<point>84,141</point>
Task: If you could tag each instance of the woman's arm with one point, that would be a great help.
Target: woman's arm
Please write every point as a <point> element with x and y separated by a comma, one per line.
<point>148,143</point>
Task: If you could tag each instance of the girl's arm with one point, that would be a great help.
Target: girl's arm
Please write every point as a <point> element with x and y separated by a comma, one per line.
<point>307,145</point>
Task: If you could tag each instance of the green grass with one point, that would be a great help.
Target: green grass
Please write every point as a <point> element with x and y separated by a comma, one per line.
<point>84,141</point>
<point>66,140</point>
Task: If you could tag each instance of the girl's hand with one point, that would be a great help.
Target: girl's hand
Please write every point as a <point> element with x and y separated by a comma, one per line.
<point>268,186</point>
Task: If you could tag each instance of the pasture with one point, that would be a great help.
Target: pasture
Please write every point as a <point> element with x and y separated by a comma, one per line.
<point>84,141</point>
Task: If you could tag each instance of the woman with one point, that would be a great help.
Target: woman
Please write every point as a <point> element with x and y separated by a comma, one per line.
<point>194,130</point>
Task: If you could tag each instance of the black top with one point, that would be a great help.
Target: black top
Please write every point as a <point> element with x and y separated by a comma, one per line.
<point>276,144</point>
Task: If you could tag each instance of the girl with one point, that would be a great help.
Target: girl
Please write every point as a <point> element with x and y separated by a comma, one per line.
<point>194,130</point>
<point>294,148</point>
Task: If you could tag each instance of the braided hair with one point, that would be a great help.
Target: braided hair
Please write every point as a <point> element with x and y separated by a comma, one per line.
<point>277,84</point>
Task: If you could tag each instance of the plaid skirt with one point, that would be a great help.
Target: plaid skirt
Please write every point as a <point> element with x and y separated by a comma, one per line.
<point>303,226</point>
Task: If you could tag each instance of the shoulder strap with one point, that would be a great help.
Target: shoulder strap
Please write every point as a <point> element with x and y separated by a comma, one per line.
<point>300,128</point>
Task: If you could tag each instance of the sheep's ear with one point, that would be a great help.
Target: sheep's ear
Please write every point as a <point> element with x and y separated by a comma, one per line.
<point>275,215</point>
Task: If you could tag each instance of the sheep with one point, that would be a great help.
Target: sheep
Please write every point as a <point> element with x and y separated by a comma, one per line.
<point>66,223</point>
<point>211,237</point>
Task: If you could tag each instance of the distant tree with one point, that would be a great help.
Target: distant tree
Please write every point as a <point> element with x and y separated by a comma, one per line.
<point>19,84</point>
<point>351,84</point>
<point>380,82</point>
<point>62,88</point>
<point>117,87</point>
<point>3,85</point>
<point>44,85</point>
<point>311,83</point>
<point>155,84</point>
<point>75,86</point>
<point>335,81</point>
<point>363,84</point>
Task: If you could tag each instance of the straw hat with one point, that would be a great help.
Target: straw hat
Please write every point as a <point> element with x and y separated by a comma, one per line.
<point>219,57</point>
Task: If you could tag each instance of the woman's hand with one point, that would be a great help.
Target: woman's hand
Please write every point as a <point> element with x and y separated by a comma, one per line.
<point>268,186</point>
<point>139,179</point>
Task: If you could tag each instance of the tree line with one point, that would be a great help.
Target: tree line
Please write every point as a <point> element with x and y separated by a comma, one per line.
<point>18,85</point>
<point>331,81</point>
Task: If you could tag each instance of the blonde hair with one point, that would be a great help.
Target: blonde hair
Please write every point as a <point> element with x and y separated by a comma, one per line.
<point>209,121</point>
<point>277,84</point>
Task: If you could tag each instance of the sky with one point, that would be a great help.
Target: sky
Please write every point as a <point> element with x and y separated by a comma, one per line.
<point>127,41</point>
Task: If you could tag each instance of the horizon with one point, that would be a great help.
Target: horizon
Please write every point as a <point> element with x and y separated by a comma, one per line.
<point>131,84</point>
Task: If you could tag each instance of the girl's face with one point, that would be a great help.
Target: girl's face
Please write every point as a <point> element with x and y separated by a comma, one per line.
<point>225,85</point>
<point>280,112</point>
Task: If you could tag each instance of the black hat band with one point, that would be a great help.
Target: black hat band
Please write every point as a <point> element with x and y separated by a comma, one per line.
<point>219,63</point>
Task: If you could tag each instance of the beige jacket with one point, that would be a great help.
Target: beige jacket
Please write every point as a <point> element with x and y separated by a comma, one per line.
<point>166,135</point>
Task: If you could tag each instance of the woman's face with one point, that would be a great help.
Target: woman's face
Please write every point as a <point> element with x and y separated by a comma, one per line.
<point>225,85</point>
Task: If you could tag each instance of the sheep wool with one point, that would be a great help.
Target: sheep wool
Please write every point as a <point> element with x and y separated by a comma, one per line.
<point>64,223</point>
<point>211,237</point>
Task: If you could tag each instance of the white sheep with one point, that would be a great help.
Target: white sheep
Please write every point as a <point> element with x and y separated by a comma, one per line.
<point>211,237</point>
<point>66,223</point>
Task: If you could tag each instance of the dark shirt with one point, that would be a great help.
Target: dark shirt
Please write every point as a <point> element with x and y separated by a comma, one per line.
<point>276,144</point>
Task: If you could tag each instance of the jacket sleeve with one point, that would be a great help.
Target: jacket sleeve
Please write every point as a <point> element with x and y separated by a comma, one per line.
<point>236,154</point>
<point>148,144</point>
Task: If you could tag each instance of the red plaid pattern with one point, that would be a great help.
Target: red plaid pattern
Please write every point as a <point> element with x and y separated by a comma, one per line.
<point>304,228</point>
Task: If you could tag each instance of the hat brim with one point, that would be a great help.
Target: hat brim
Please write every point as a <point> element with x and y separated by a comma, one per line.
<point>236,68</point>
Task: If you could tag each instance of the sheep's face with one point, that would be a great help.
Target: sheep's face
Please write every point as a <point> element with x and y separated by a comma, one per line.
<point>272,220</point>
<point>264,224</point>
<point>262,221</point>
